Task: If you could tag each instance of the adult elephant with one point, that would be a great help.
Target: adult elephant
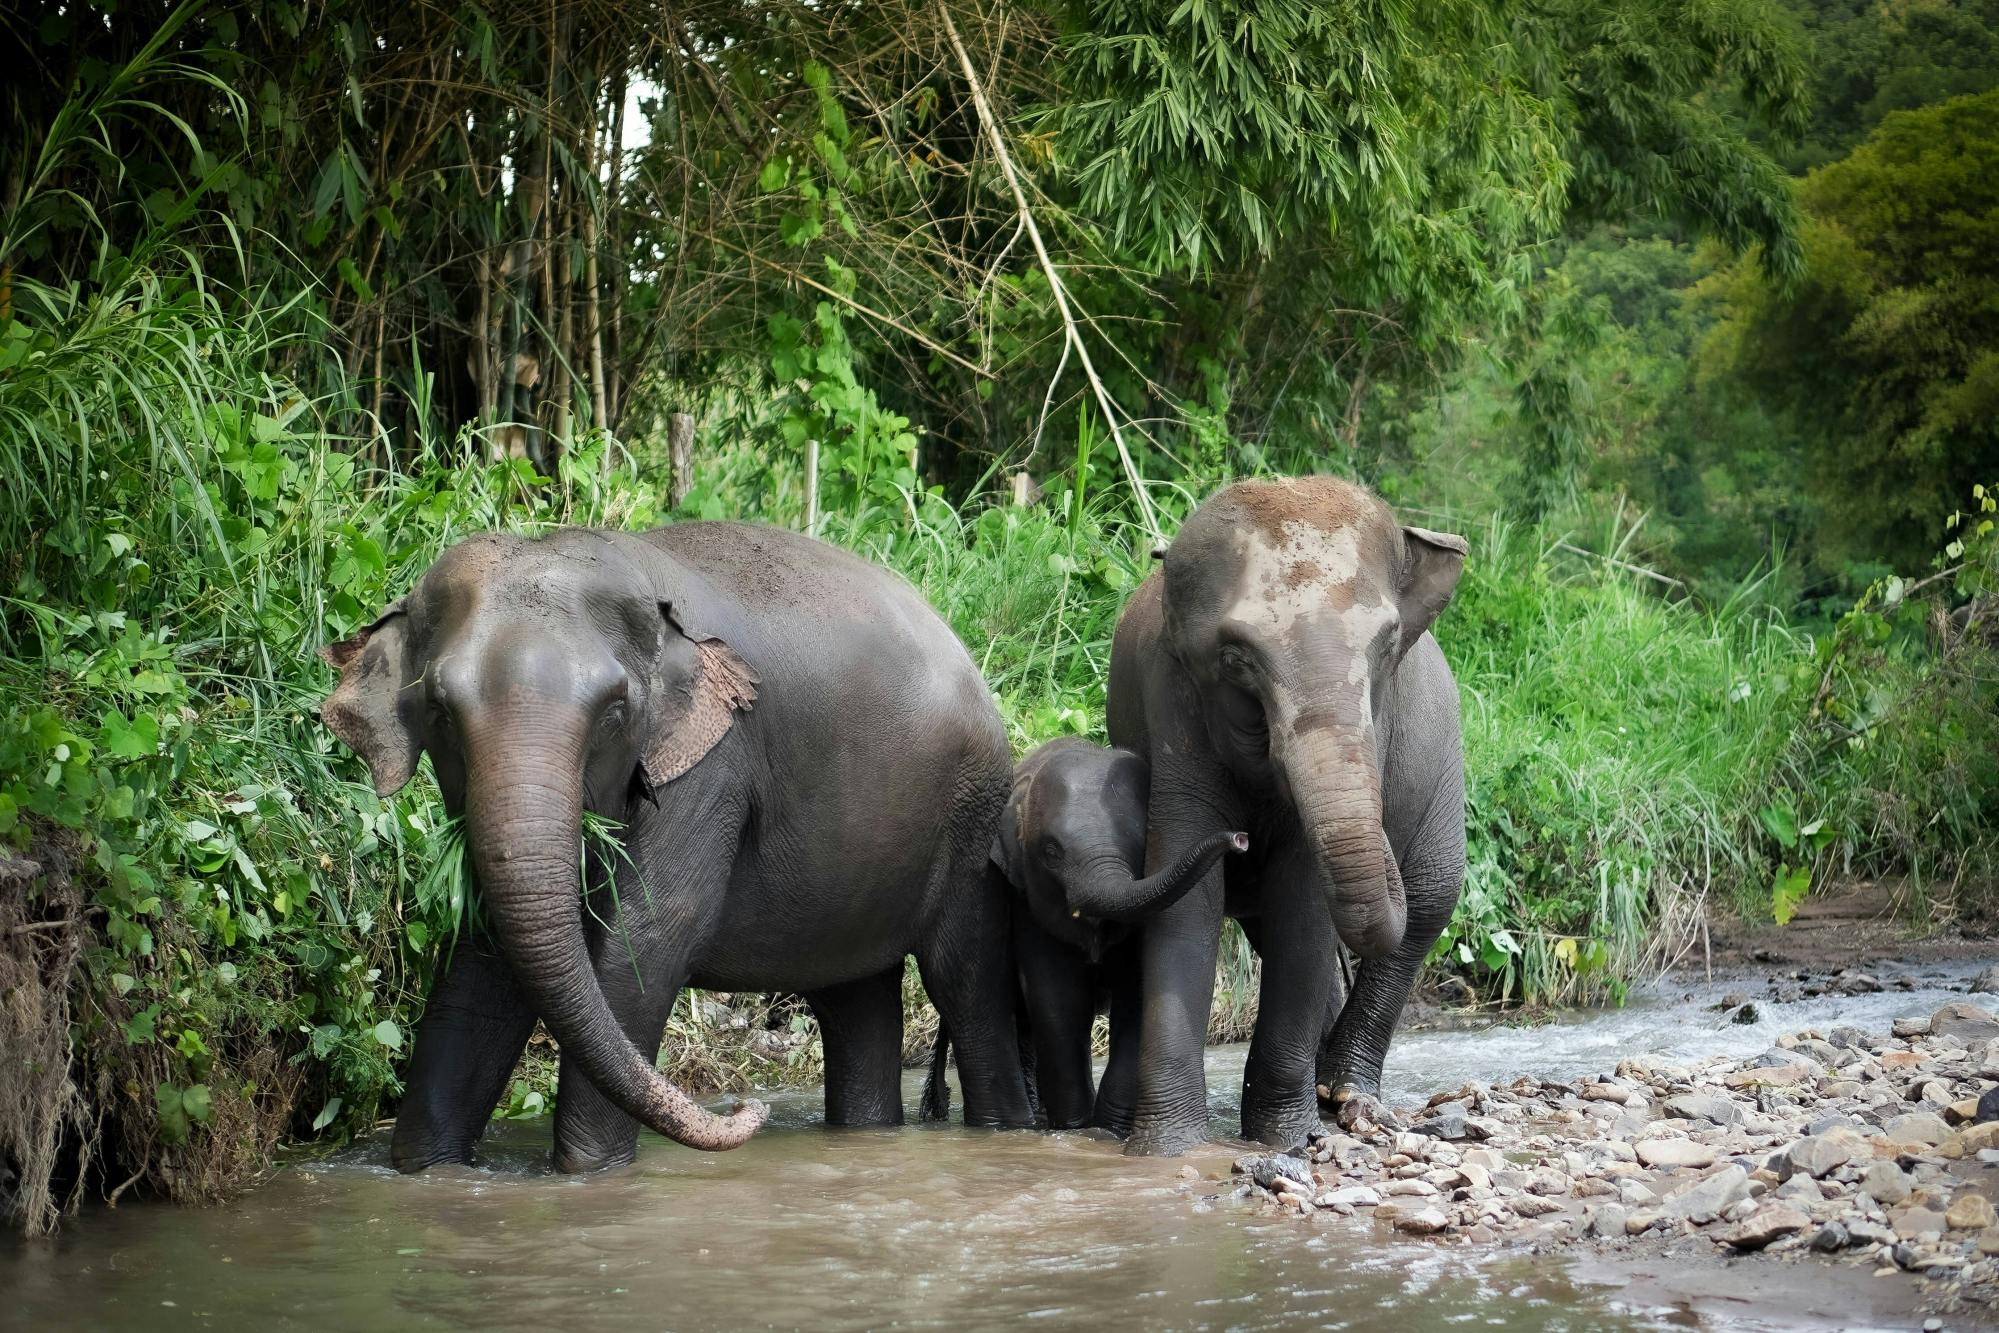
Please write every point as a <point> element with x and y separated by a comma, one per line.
<point>808,768</point>
<point>1279,676</point>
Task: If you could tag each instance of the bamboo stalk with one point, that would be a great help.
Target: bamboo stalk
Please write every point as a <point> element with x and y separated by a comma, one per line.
<point>1074,335</point>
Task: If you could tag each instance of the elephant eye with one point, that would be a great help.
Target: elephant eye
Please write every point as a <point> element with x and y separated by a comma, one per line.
<point>613,718</point>
<point>1051,852</point>
<point>1236,664</point>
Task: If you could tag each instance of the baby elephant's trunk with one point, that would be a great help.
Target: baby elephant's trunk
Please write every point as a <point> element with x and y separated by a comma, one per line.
<point>1115,897</point>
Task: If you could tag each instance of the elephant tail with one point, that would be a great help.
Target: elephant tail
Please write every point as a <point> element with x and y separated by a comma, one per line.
<point>936,1091</point>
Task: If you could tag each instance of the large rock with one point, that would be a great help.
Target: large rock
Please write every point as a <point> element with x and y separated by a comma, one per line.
<point>1971,1212</point>
<point>1422,1222</point>
<point>1705,1106</point>
<point>1924,1127</point>
<point>1822,1154</point>
<point>1265,1171</point>
<point>1911,1027</point>
<point>1676,1153</point>
<point>1701,1201</point>
<point>1986,982</point>
<point>1886,1183</point>
<point>1910,1223</point>
<point>1965,1020</point>
<point>1773,1221</point>
<point>1979,1137</point>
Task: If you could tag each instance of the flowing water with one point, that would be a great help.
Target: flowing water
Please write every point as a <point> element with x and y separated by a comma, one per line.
<point>924,1227</point>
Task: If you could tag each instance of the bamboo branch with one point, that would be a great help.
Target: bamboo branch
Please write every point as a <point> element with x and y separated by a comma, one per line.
<point>868,311</point>
<point>1055,287</point>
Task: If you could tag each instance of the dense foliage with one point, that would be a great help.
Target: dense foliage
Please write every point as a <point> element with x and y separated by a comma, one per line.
<point>292,296</point>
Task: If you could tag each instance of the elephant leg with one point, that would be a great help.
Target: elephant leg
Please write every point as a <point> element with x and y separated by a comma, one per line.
<point>1178,972</point>
<point>1058,1008</point>
<point>1117,1091</point>
<point>860,1025</point>
<point>967,967</point>
<point>1297,940</point>
<point>474,1024</point>
<point>1381,987</point>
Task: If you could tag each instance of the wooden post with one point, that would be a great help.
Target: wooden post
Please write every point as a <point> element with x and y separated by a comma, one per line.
<point>680,452</point>
<point>811,487</point>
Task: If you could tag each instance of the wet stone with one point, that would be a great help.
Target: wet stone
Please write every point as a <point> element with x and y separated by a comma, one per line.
<point>1266,1170</point>
<point>1422,1222</point>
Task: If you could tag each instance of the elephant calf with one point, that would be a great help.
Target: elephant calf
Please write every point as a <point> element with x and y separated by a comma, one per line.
<point>808,768</point>
<point>1279,676</point>
<point>1069,850</point>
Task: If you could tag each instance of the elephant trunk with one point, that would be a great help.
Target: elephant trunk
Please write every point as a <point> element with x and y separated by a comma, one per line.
<point>523,823</point>
<point>1336,785</point>
<point>1113,895</point>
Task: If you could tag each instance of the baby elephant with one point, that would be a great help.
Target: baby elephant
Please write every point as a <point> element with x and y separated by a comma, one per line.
<point>1071,849</point>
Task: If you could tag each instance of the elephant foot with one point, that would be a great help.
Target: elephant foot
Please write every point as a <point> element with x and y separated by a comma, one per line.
<point>1280,1126</point>
<point>1163,1140</point>
<point>1355,1111</point>
<point>411,1156</point>
<point>582,1161</point>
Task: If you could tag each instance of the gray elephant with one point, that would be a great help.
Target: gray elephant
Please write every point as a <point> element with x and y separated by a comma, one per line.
<point>1279,676</point>
<point>808,768</point>
<point>1069,851</point>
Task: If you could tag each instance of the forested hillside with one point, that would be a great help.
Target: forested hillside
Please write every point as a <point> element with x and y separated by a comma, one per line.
<point>1683,313</point>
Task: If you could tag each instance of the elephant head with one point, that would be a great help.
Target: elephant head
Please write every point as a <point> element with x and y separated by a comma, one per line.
<point>547,678</point>
<point>1291,603</point>
<point>1072,841</point>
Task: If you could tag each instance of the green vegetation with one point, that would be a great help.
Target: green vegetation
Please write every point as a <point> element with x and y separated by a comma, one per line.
<point>292,297</point>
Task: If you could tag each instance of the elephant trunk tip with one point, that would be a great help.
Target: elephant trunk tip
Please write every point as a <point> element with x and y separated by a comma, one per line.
<point>1238,842</point>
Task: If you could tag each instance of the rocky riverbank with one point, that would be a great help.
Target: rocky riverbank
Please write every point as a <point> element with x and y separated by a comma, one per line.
<point>1864,1148</point>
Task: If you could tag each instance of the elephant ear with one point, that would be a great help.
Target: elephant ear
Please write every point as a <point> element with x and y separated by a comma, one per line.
<point>1431,564</point>
<point>368,709</point>
<point>1007,854</point>
<point>713,687</point>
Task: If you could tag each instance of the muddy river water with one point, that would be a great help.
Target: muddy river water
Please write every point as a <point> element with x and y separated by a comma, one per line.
<point>925,1227</point>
